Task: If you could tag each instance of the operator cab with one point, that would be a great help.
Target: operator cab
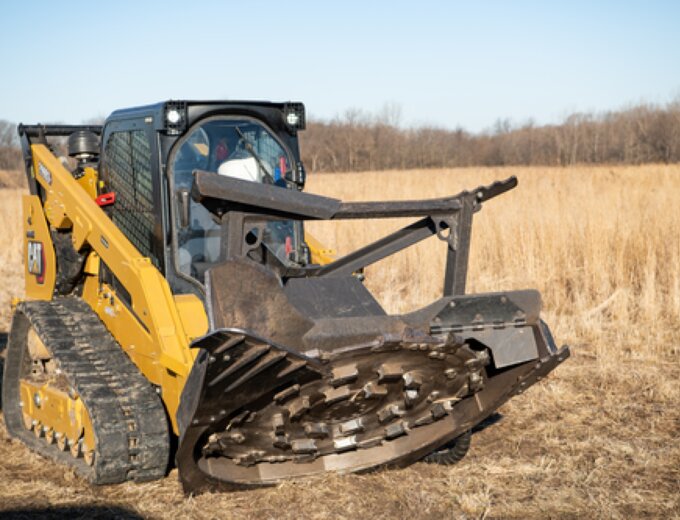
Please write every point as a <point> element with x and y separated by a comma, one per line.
<point>150,154</point>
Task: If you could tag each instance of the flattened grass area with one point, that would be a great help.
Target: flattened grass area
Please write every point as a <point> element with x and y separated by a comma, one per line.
<point>598,438</point>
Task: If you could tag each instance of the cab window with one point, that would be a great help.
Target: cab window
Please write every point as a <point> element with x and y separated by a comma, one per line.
<point>238,148</point>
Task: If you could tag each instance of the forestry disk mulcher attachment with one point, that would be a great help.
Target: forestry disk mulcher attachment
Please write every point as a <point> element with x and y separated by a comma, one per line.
<point>171,290</point>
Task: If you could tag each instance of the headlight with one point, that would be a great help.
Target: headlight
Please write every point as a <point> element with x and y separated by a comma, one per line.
<point>294,116</point>
<point>175,117</point>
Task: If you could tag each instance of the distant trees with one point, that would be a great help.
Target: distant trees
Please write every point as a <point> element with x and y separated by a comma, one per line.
<point>359,141</point>
<point>10,156</point>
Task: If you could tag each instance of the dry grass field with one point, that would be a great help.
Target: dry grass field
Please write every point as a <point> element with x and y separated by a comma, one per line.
<point>599,438</point>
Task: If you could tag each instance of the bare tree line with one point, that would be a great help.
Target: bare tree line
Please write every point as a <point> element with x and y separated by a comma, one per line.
<point>359,141</point>
<point>10,155</point>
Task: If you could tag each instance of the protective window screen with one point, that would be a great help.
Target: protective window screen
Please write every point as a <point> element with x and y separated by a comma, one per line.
<point>128,173</point>
<point>268,149</point>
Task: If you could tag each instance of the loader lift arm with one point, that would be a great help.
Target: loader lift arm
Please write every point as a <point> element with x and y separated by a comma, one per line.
<point>154,334</point>
<point>27,133</point>
<point>243,205</point>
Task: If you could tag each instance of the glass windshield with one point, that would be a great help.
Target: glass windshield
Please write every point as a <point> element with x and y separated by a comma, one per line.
<point>238,148</point>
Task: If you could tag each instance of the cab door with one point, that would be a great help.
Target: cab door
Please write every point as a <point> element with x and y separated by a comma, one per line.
<point>129,169</point>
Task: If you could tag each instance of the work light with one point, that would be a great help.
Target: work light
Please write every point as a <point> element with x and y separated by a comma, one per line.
<point>294,116</point>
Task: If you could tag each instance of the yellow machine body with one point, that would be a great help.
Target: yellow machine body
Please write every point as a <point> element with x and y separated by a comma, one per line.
<point>158,327</point>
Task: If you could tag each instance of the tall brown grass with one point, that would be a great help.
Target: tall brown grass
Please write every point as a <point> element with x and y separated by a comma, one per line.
<point>597,439</point>
<point>12,179</point>
<point>11,248</point>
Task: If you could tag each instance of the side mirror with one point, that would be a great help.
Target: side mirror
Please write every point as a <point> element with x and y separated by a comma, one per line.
<point>184,205</point>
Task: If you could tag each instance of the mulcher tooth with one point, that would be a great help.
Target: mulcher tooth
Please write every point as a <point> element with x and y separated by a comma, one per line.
<point>304,446</point>
<point>388,413</point>
<point>344,375</point>
<point>345,444</point>
<point>373,391</point>
<point>438,411</point>
<point>395,430</point>
<point>316,430</point>
<point>411,397</point>
<point>389,372</point>
<point>281,442</point>
<point>412,380</point>
<point>336,395</point>
<point>298,408</point>
<point>250,459</point>
<point>351,427</point>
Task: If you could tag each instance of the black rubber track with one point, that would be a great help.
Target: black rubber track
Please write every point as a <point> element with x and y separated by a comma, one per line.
<point>451,453</point>
<point>128,418</point>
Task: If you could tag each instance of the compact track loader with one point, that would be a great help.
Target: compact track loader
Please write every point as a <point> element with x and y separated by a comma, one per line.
<point>171,293</point>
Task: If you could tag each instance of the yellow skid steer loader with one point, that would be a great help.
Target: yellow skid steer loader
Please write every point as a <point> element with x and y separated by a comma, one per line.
<point>171,293</point>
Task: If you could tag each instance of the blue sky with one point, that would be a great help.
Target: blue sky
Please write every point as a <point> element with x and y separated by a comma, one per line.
<point>444,63</point>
